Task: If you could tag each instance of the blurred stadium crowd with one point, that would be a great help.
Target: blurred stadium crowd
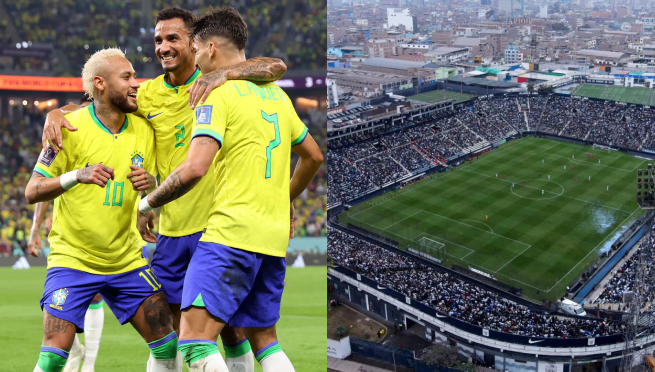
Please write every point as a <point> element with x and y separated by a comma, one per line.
<point>20,145</point>
<point>71,30</point>
<point>362,165</point>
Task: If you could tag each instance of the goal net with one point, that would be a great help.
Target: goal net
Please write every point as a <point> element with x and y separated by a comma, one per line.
<point>604,147</point>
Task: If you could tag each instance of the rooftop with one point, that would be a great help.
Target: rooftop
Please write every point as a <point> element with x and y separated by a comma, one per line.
<point>392,63</point>
<point>601,53</point>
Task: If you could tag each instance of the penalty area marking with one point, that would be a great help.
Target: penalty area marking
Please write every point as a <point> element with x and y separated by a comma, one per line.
<point>492,230</point>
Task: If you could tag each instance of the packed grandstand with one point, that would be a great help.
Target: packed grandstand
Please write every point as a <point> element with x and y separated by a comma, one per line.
<point>389,156</point>
<point>454,296</point>
<point>363,164</point>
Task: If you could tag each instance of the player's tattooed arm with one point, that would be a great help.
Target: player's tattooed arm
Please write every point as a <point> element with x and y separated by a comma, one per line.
<point>255,69</point>
<point>188,174</point>
<point>41,189</point>
<point>34,244</point>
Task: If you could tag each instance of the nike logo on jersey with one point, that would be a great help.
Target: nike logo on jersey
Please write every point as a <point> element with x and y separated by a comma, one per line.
<point>87,164</point>
<point>152,116</point>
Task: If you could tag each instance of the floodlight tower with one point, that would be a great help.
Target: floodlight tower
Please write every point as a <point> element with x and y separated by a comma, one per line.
<point>638,321</point>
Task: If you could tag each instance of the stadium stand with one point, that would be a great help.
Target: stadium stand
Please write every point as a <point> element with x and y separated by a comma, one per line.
<point>74,29</point>
<point>454,296</point>
<point>623,279</point>
<point>368,162</point>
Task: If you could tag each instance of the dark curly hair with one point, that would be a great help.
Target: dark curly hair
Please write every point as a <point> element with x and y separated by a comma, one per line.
<point>174,12</point>
<point>225,22</point>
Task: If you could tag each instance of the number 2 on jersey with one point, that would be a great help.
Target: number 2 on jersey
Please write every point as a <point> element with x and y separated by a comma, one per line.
<point>179,138</point>
<point>274,143</point>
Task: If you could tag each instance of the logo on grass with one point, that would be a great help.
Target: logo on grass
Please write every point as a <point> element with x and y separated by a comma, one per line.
<point>59,296</point>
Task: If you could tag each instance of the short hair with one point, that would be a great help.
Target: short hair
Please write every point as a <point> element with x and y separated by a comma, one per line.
<point>93,64</point>
<point>174,12</point>
<point>225,22</point>
<point>85,98</point>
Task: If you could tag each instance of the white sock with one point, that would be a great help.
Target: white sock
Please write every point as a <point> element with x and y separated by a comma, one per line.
<point>164,365</point>
<point>243,363</point>
<point>38,369</point>
<point>212,363</point>
<point>94,320</point>
<point>277,362</point>
<point>75,357</point>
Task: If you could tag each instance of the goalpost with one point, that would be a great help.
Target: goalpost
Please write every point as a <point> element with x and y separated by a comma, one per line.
<point>431,249</point>
<point>604,147</point>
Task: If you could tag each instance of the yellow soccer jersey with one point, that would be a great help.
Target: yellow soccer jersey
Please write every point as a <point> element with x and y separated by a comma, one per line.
<point>92,226</point>
<point>167,109</point>
<point>256,126</point>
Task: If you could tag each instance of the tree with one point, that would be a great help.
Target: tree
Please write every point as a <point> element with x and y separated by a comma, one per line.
<point>441,355</point>
<point>340,331</point>
<point>531,88</point>
<point>545,89</point>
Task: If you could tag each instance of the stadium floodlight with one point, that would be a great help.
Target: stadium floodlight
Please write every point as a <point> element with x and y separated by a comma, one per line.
<point>646,187</point>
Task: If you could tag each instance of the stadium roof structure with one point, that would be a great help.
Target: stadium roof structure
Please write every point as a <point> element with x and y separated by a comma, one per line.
<point>482,82</point>
<point>602,53</point>
<point>392,63</point>
<point>444,50</point>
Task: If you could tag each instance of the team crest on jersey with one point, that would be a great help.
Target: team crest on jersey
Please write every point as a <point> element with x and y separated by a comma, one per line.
<point>203,114</point>
<point>137,159</point>
<point>58,298</point>
<point>47,156</point>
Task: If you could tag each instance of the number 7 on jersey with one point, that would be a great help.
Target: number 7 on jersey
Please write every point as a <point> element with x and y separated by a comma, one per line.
<point>274,143</point>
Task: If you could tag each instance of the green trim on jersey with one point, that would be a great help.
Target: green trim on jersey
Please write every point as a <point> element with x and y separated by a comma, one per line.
<point>42,171</point>
<point>208,132</point>
<point>193,77</point>
<point>96,120</point>
<point>198,301</point>
<point>300,138</point>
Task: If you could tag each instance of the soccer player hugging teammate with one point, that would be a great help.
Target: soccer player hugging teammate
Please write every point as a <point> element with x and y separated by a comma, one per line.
<point>236,275</point>
<point>93,248</point>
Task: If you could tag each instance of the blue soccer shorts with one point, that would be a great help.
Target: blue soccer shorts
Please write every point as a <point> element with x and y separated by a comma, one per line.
<point>68,293</point>
<point>242,288</point>
<point>170,260</point>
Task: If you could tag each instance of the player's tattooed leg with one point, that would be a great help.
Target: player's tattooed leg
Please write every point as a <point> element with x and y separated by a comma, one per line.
<point>57,332</point>
<point>153,319</point>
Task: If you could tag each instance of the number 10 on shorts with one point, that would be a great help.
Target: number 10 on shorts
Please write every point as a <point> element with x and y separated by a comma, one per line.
<point>152,280</point>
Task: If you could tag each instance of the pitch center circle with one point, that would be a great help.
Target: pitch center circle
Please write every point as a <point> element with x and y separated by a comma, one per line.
<point>548,195</point>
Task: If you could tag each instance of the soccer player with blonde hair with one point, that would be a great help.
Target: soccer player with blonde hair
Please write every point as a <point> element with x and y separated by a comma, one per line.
<point>93,248</point>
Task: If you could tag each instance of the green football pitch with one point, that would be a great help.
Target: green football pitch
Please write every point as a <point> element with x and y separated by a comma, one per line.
<point>640,96</point>
<point>301,328</point>
<point>540,234</point>
<point>440,95</point>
